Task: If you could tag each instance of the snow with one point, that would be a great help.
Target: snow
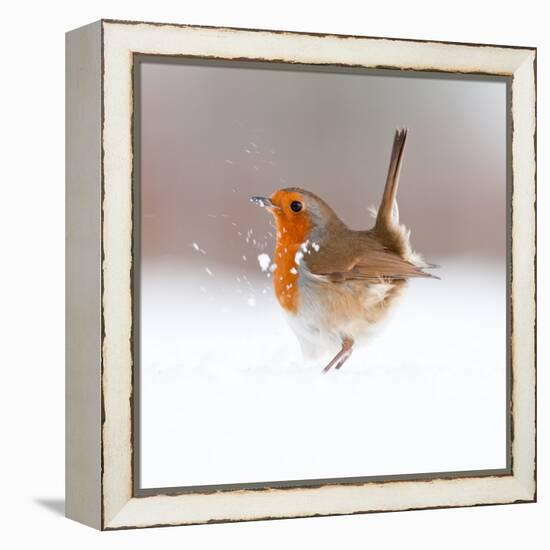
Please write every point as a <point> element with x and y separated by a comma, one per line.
<point>264,260</point>
<point>226,397</point>
<point>198,248</point>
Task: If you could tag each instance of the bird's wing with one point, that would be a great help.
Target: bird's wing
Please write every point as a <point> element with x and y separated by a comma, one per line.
<point>385,265</point>
<point>363,258</point>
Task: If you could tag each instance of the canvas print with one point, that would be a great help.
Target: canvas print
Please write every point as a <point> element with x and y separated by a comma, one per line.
<point>321,274</point>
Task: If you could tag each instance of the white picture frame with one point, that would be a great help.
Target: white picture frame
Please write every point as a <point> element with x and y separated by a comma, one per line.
<point>100,489</point>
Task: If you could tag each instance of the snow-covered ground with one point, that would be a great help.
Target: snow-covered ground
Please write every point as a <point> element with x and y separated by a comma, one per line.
<point>226,397</point>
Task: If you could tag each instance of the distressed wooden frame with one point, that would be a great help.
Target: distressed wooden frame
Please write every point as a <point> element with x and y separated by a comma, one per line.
<point>100,489</point>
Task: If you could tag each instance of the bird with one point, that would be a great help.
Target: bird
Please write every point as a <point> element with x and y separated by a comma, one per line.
<point>335,284</point>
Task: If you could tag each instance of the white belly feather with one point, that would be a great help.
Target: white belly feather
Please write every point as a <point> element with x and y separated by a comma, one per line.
<point>328,312</point>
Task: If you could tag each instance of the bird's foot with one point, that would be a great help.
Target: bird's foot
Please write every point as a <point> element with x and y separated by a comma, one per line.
<point>342,356</point>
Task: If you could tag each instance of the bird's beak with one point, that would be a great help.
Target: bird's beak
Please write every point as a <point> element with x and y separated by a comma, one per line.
<point>264,202</point>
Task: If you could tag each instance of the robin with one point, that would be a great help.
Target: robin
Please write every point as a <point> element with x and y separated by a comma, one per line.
<point>336,283</point>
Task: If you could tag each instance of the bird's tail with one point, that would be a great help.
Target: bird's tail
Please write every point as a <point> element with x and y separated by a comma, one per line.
<point>385,219</point>
<point>395,236</point>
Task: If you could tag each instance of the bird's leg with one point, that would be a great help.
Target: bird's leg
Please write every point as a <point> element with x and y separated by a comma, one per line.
<point>346,356</point>
<point>342,356</point>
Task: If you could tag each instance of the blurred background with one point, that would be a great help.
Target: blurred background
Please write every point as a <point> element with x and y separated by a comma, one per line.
<point>212,136</point>
<point>224,394</point>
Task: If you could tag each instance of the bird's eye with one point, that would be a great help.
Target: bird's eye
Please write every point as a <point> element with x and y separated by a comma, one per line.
<point>296,206</point>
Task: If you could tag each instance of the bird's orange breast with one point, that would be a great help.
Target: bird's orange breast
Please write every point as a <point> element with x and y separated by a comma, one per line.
<point>290,236</point>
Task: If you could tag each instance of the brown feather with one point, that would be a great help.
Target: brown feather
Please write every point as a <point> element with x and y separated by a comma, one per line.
<point>359,255</point>
<point>384,219</point>
<point>387,225</point>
